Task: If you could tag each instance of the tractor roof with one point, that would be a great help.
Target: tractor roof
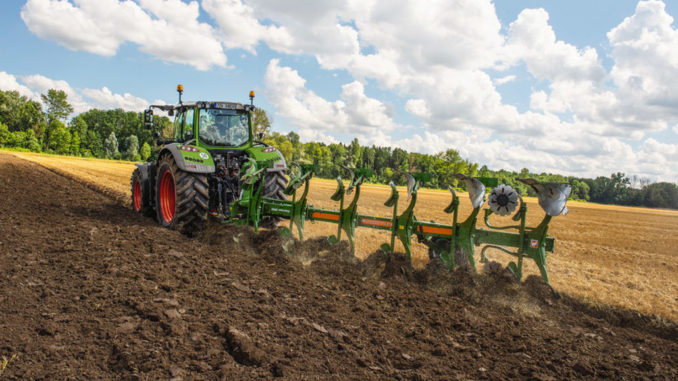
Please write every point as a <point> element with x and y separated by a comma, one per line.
<point>203,104</point>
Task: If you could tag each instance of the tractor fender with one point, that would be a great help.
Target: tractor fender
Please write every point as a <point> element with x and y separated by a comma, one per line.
<point>146,170</point>
<point>278,165</point>
<point>195,163</point>
<point>266,152</point>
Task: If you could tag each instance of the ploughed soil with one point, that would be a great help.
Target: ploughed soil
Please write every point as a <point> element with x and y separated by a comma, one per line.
<point>91,290</point>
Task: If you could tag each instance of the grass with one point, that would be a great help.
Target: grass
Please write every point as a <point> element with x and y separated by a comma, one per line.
<point>5,363</point>
<point>615,255</point>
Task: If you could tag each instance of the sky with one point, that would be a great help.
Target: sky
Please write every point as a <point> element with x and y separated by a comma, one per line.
<point>581,88</point>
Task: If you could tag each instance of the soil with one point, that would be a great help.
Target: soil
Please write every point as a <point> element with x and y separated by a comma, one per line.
<point>91,290</point>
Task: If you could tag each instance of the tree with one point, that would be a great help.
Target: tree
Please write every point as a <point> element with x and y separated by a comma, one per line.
<point>4,134</point>
<point>661,195</point>
<point>59,138</point>
<point>297,148</point>
<point>16,139</point>
<point>145,151</point>
<point>94,144</point>
<point>31,141</point>
<point>57,105</point>
<point>132,147</point>
<point>399,160</point>
<point>79,125</point>
<point>261,122</point>
<point>18,112</point>
<point>75,143</point>
<point>111,145</point>
<point>355,151</point>
<point>580,190</point>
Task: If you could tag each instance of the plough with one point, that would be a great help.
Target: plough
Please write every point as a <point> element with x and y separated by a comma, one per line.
<point>214,166</point>
<point>443,240</point>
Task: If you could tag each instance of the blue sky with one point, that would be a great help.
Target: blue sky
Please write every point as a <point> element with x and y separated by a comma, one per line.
<point>577,87</point>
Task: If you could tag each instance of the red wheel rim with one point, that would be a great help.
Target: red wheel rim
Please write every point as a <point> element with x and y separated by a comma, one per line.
<point>137,196</point>
<point>167,196</point>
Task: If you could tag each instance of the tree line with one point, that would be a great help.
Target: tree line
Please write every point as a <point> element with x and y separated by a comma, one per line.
<point>116,134</point>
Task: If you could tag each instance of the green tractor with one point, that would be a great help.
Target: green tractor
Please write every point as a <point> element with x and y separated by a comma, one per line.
<point>198,171</point>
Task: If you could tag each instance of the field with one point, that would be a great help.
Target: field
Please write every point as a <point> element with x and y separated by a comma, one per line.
<point>91,290</point>
<point>614,255</point>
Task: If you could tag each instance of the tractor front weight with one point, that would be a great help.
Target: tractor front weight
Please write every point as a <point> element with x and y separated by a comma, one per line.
<point>445,241</point>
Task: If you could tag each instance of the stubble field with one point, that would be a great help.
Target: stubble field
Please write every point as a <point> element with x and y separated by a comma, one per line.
<point>611,255</point>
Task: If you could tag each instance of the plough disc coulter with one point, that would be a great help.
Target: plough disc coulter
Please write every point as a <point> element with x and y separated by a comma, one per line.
<point>443,240</point>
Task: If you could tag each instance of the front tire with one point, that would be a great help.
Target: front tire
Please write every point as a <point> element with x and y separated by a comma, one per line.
<point>181,197</point>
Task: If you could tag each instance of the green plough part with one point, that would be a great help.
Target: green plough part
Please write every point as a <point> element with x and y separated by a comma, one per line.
<point>349,215</point>
<point>443,240</point>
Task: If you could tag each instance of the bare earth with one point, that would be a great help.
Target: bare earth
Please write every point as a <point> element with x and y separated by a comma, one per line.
<point>612,255</point>
<point>90,290</point>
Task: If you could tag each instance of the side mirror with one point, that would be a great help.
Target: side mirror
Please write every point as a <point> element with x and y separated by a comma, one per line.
<point>170,112</point>
<point>148,119</point>
<point>260,135</point>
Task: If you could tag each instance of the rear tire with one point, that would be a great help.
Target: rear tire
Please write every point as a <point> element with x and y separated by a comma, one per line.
<point>274,187</point>
<point>141,194</point>
<point>181,197</point>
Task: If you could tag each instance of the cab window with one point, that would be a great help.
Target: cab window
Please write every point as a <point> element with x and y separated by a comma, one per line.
<point>188,125</point>
<point>219,127</point>
<point>178,122</point>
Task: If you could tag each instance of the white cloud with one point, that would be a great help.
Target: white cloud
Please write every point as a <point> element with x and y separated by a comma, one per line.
<point>81,99</point>
<point>644,49</point>
<point>503,80</point>
<point>239,28</point>
<point>101,26</point>
<point>105,99</point>
<point>9,82</point>
<point>532,40</point>
<point>354,113</point>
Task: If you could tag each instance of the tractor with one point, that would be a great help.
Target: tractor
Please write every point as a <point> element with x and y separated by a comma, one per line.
<point>198,171</point>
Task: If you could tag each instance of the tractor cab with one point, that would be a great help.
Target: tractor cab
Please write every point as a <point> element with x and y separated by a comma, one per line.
<point>210,125</point>
<point>213,125</point>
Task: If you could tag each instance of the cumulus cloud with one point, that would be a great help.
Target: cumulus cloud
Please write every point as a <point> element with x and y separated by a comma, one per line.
<point>82,100</point>
<point>105,99</point>
<point>9,82</point>
<point>353,113</point>
<point>532,40</point>
<point>166,29</point>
